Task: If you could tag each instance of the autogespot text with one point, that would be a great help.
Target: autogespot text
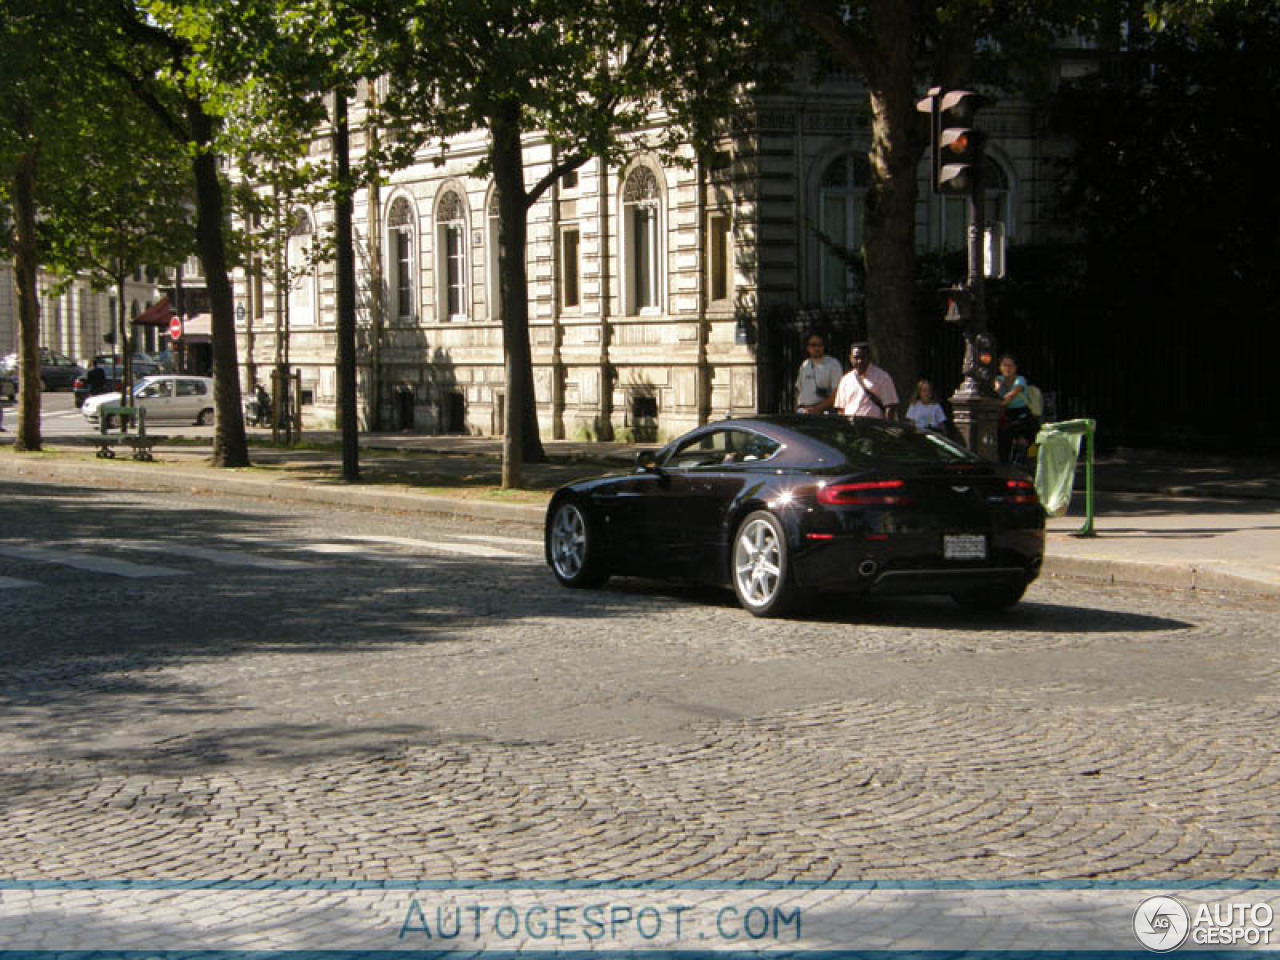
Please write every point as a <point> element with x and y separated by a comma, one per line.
<point>597,922</point>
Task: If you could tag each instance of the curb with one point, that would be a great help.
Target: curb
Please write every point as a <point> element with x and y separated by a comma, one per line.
<point>1120,573</point>
<point>1098,570</point>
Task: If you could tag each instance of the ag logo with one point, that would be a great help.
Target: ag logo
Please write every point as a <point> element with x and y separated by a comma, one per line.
<point>1161,924</point>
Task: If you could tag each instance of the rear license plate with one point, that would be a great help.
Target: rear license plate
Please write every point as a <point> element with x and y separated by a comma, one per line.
<point>964,547</point>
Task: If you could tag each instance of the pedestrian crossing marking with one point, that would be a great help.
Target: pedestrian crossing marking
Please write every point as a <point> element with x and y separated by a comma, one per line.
<point>490,538</point>
<point>84,561</point>
<point>228,558</point>
<point>465,549</point>
<point>356,546</point>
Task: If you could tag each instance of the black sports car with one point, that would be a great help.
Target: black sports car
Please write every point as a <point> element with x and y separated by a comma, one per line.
<point>782,505</point>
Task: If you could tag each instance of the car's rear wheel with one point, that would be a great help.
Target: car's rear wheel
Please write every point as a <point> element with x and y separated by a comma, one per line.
<point>991,599</point>
<point>205,418</point>
<point>574,547</point>
<point>761,566</point>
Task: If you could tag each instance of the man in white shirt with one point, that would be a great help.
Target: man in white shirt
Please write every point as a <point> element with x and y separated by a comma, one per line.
<point>818,378</point>
<point>866,390</point>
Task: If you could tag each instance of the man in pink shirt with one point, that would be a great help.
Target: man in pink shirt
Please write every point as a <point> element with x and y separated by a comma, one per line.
<point>866,390</point>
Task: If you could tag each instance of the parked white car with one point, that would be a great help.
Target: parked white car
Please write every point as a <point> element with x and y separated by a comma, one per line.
<point>165,397</point>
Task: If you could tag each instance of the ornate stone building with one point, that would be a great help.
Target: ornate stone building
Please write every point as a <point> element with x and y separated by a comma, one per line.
<point>76,319</point>
<point>652,285</point>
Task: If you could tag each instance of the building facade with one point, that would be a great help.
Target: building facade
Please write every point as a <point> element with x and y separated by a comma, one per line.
<point>75,319</point>
<point>651,285</point>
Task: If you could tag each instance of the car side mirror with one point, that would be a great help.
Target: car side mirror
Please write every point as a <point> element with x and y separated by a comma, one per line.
<point>647,461</point>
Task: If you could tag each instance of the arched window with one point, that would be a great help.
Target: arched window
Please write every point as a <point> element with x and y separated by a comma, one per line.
<point>495,262</point>
<point>400,253</point>
<point>302,304</point>
<point>955,209</point>
<point>642,247</point>
<point>842,203</point>
<point>451,233</point>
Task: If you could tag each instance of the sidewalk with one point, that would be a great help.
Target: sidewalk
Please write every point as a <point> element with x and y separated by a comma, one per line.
<point>1161,519</point>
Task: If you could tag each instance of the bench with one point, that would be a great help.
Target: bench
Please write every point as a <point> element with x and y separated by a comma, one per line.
<point>141,444</point>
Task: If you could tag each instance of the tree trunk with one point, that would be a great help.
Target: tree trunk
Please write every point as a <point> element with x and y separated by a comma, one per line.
<point>521,442</point>
<point>346,293</point>
<point>230,448</point>
<point>897,144</point>
<point>119,324</point>
<point>25,270</point>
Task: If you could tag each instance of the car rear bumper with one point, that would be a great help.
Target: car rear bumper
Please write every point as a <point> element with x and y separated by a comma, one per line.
<point>914,564</point>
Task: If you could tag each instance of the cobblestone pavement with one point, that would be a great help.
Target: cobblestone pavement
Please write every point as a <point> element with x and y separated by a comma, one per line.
<point>320,694</point>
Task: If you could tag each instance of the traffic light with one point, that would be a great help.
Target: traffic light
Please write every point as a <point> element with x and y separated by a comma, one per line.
<point>957,144</point>
<point>959,303</point>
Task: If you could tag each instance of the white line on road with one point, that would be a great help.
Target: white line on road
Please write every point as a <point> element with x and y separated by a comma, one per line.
<point>445,547</point>
<point>227,558</point>
<point>490,538</point>
<point>83,561</point>
<point>13,583</point>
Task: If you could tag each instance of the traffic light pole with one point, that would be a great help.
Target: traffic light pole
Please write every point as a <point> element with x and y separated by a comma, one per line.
<point>976,409</point>
<point>958,148</point>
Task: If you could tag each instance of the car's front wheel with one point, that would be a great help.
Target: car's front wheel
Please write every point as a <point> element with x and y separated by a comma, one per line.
<point>762,566</point>
<point>991,599</point>
<point>574,548</point>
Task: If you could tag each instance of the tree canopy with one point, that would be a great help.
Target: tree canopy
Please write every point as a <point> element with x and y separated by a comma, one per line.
<point>591,76</point>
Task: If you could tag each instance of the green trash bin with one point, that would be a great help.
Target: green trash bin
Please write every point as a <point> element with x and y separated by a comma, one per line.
<point>1058,448</point>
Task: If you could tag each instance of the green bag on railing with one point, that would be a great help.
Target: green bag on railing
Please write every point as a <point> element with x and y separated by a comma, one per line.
<point>1058,446</point>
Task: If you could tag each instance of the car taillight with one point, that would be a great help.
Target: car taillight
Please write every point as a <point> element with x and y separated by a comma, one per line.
<point>1021,491</point>
<point>879,493</point>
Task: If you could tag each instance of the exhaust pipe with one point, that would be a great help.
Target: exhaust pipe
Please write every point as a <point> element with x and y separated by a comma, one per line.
<point>868,568</point>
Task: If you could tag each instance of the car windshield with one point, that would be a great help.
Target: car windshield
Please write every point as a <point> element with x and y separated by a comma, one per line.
<point>882,440</point>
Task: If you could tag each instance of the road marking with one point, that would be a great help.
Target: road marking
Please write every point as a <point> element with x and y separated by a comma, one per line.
<point>490,538</point>
<point>227,558</point>
<point>465,549</point>
<point>13,583</point>
<point>83,561</point>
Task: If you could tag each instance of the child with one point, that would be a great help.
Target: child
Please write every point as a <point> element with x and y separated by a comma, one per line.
<point>925,412</point>
<point>1018,425</point>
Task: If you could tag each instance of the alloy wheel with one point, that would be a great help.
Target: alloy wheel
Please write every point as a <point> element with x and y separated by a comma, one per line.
<point>757,561</point>
<point>568,541</point>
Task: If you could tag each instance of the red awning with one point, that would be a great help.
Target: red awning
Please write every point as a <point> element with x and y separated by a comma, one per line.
<point>156,315</point>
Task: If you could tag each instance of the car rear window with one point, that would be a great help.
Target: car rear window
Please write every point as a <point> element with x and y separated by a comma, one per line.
<point>882,440</point>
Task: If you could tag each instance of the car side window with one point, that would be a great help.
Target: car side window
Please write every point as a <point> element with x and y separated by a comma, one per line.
<point>752,447</point>
<point>190,388</point>
<point>162,388</point>
<point>721,447</point>
<point>708,449</point>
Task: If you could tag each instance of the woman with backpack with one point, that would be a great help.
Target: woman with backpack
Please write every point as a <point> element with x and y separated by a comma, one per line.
<point>1018,425</point>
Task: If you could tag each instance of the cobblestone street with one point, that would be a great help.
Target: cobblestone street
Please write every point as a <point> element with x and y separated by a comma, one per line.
<point>382,697</point>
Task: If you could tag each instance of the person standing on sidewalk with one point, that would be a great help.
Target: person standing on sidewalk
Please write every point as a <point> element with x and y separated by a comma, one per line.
<point>1018,425</point>
<point>866,390</point>
<point>925,411</point>
<point>818,378</point>
<point>96,379</point>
